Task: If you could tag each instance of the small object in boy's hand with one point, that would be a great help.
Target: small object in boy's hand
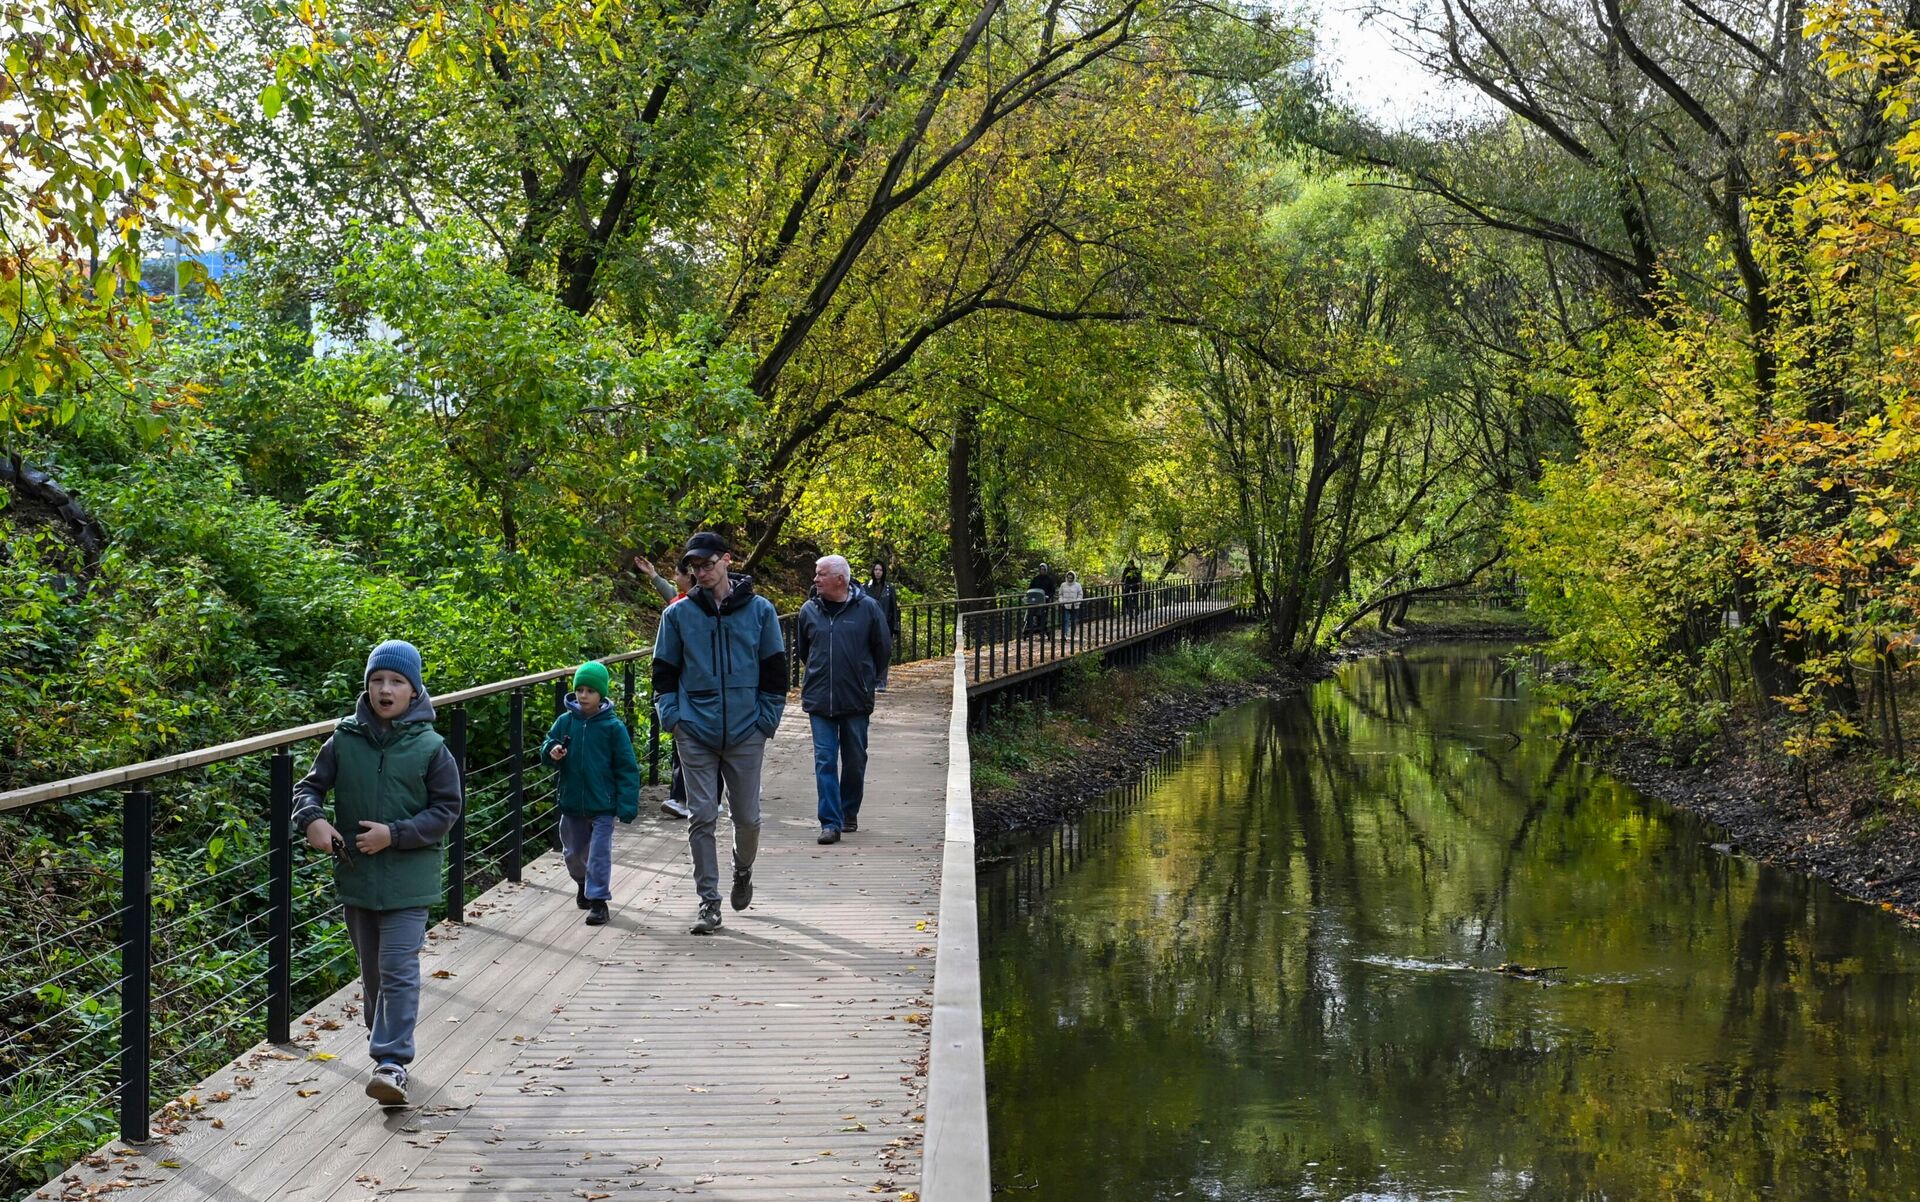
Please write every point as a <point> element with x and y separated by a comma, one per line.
<point>341,852</point>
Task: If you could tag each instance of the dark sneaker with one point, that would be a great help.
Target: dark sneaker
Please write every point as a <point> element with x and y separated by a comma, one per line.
<point>850,825</point>
<point>675,807</point>
<point>709,920</point>
<point>596,913</point>
<point>388,1085</point>
<point>828,835</point>
<point>580,895</point>
<point>742,896</point>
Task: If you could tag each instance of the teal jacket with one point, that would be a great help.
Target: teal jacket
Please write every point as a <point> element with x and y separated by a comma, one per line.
<point>400,774</point>
<point>720,670</point>
<point>599,774</point>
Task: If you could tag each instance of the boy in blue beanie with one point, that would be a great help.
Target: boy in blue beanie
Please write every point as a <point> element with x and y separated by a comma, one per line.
<point>599,779</point>
<point>397,791</point>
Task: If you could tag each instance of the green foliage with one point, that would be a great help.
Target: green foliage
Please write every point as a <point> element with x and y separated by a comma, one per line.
<point>106,153</point>
<point>520,423</point>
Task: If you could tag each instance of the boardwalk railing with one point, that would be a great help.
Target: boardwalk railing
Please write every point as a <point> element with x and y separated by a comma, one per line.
<point>215,946</point>
<point>211,927</point>
<point>1011,639</point>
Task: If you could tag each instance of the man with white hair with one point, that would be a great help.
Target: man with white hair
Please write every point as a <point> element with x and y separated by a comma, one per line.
<point>842,636</point>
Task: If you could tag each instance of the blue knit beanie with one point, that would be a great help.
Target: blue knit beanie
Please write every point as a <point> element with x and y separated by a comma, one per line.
<point>397,655</point>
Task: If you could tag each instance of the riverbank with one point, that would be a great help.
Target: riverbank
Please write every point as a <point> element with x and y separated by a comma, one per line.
<point>1840,828</point>
<point>1040,767</point>
<point>1037,767</point>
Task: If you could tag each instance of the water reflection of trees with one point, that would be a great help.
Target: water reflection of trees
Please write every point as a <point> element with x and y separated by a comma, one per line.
<point>1283,951</point>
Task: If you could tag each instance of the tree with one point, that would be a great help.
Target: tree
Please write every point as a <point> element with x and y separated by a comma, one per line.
<point>99,153</point>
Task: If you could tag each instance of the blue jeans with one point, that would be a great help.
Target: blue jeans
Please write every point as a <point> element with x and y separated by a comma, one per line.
<point>388,943</point>
<point>587,842</point>
<point>839,766</point>
<point>1067,617</point>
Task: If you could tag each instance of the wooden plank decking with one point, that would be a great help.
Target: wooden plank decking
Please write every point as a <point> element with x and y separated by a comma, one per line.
<point>783,1058</point>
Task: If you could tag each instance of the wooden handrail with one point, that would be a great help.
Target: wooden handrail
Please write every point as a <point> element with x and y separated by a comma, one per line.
<point>111,778</point>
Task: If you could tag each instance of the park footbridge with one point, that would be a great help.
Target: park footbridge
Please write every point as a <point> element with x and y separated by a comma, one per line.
<point>826,1043</point>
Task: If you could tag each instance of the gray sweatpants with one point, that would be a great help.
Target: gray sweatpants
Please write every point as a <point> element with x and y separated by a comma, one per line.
<point>704,768</point>
<point>388,944</point>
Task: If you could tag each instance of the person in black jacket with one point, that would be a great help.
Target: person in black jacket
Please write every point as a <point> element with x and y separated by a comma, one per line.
<point>1040,591</point>
<point>842,636</point>
<point>887,598</point>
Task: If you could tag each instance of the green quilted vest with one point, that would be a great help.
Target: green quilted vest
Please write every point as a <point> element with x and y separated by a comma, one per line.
<point>384,780</point>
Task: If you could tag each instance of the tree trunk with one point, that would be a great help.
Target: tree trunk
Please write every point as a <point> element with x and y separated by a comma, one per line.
<point>966,515</point>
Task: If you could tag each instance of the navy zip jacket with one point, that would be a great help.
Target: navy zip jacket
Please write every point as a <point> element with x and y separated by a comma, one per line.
<point>846,646</point>
<point>720,670</point>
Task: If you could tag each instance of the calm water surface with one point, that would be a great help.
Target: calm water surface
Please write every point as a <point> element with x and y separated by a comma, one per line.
<point>1270,972</point>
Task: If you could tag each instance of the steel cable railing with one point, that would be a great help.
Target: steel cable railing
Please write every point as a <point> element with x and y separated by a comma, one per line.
<point>272,901</point>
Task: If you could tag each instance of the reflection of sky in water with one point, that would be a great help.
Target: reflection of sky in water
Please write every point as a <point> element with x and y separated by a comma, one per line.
<point>1273,973</point>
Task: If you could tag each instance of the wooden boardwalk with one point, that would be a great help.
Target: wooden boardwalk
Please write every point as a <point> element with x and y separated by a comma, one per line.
<point>998,663</point>
<point>783,1058</point>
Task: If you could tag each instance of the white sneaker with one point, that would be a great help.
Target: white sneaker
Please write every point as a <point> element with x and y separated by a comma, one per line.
<point>678,809</point>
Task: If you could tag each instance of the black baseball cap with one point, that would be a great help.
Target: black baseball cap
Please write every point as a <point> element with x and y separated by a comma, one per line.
<point>704,545</point>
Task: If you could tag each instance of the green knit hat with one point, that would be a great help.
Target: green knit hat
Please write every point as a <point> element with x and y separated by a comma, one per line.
<point>593,674</point>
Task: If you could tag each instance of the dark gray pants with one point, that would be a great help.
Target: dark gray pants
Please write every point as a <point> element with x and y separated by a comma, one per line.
<point>388,944</point>
<point>706,770</point>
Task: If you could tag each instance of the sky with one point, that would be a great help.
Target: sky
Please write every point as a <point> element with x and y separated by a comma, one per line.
<point>1366,67</point>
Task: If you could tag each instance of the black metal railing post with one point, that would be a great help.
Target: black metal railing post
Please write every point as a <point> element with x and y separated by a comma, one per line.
<point>976,650</point>
<point>517,788</point>
<point>280,897</point>
<point>653,741</point>
<point>626,687</point>
<point>457,878</point>
<point>136,958</point>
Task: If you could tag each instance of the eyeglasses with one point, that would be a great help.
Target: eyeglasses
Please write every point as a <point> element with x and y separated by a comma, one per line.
<point>700,565</point>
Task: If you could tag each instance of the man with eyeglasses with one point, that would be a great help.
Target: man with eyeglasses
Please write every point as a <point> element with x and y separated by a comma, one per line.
<point>720,685</point>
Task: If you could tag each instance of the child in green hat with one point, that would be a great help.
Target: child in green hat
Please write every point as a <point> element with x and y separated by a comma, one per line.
<point>599,780</point>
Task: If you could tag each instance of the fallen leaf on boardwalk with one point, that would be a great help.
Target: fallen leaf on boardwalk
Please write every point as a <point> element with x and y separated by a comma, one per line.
<point>243,1082</point>
<point>698,1089</point>
<point>442,974</point>
<point>841,1077</point>
<point>219,1123</point>
<point>910,1196</point>
<point>706,1180</point>
<point>330,1025</point>
<point>855,1127</point>
<point>306,1093</point>
<point>222,1096</point>
<point>920,926</point>
<point>320,1056</point>
<point>591,1197</point>
<point>915,1017</point>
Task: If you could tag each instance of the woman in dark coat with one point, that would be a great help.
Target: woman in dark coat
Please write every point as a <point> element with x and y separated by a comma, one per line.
<point>887,598</point>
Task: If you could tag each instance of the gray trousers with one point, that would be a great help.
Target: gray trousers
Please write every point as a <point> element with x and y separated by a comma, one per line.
<point>587,842</point>
<point>705,769</point>
<point>388,944</point>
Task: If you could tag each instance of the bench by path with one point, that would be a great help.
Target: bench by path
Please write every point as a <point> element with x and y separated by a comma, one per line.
<point>783,1058</point>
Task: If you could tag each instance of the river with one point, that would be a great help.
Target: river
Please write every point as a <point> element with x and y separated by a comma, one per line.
<point>1394,940</point>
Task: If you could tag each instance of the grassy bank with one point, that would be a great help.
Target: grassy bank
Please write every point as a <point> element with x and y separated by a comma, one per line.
<point>1029,738</point>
